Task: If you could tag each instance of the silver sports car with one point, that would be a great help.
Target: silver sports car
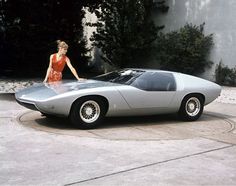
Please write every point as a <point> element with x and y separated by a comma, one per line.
<point>121,93</point>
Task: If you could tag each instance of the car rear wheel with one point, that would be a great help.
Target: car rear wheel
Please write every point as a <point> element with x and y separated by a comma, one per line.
<point>87,113</point>
<point>191,108</point>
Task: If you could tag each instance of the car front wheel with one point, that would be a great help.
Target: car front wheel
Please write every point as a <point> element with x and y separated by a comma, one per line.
<point>191,107</point>
<point>87,113</point>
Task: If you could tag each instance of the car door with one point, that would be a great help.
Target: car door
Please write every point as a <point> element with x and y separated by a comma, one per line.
<point>151,90</point>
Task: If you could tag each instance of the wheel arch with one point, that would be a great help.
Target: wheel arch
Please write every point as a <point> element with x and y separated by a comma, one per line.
<point>195,94</point>
<point>102,98</point>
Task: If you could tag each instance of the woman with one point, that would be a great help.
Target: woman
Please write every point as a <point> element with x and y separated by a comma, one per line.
<point>57,64</point>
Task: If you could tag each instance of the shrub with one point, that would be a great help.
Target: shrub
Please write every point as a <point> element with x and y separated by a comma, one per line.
<point>186,50</point>
<point>225,75</point>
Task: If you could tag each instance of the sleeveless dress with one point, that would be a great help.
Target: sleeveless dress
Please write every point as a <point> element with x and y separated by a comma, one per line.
<point>57,68</point>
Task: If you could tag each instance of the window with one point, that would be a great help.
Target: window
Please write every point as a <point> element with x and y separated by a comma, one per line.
<point>155,81</point>
<point>122,77</point>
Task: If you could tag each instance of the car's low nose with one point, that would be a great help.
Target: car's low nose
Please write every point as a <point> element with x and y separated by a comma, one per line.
<point>35,93</point>
<point>43,91</point>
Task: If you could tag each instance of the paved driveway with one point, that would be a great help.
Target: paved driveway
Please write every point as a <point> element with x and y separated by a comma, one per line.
<point>158,150</point>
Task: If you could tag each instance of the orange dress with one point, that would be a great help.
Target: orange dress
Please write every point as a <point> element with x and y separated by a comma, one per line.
<point>57,68</point>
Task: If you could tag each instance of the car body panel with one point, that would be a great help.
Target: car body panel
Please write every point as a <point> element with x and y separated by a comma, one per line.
<point>123,99</point>
<point>145,98</point>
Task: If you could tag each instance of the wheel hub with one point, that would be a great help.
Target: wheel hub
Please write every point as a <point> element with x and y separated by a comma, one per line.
<point>193,106</point>
<point>90,111</point>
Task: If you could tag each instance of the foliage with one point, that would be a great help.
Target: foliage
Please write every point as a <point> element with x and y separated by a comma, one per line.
<point>29,29</point>
<point>225,75</point>
<point>186,50</point>
<point>125,31</point>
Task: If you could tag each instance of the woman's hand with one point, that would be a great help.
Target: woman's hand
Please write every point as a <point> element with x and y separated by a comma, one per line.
<point>81,79</point>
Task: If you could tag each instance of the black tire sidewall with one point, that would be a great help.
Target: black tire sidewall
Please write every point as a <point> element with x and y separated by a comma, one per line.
<point>75,118</point>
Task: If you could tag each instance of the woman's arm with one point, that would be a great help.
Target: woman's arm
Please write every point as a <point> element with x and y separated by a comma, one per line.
<point>72,69</point>
<point>48,70</point>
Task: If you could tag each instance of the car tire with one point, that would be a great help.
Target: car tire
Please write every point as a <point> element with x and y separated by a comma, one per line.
<point>191,107</point>
<point>87,113</point>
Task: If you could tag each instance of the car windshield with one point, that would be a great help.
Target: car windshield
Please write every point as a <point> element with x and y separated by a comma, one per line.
<point>123,77</point>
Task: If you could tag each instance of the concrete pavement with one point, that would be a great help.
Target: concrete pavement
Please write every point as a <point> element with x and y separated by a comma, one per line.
<point>126,151</point>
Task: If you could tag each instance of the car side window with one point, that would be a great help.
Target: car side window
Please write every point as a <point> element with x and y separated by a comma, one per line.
<point>156,81</point>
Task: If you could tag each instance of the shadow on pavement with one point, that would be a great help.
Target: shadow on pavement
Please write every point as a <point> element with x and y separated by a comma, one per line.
<point>132,128</point>
<point>117,122</point>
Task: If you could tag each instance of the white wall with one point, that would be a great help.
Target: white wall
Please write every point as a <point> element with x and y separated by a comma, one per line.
<point>219,17</point>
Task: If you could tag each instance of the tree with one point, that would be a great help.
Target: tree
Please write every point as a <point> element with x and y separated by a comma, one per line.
<point>29,29</point>
<point>186,50</point>
<point>125,32</point>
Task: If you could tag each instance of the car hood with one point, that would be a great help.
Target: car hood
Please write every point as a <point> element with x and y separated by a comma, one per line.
<point>44,91</point>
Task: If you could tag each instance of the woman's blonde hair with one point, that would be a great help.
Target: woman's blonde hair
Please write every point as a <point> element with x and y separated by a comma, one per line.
<point>62,44</point>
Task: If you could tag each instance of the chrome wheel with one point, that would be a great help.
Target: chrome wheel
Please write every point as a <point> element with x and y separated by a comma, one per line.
<point>89,111</point>
<point>193,106</point>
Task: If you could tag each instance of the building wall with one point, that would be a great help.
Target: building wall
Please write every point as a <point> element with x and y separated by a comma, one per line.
<point>219,17</point>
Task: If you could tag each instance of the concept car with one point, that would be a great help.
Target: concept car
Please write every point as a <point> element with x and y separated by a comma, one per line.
<point>121,93</point>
